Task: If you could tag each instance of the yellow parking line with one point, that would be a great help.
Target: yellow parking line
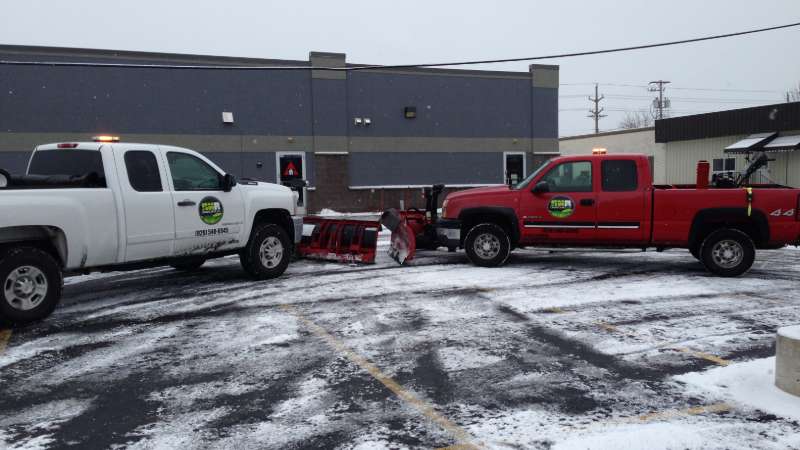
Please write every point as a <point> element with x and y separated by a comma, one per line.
<point>464,438</point>
<point>5,336</point>
<point>706,356</point>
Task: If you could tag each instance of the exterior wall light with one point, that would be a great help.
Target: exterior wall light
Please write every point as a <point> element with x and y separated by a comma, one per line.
<point>410,112</point>
<point>227,117</point>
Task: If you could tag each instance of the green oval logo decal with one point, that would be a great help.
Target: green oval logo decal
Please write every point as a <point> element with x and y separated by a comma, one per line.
<point>211,210</point>
<point>561,207</point>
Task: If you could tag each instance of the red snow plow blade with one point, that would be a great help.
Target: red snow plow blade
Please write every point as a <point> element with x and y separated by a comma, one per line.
<point>341,240</point>
<point>413,228</point>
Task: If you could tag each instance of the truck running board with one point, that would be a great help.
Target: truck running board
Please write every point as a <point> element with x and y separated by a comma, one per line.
<point>341,240</point>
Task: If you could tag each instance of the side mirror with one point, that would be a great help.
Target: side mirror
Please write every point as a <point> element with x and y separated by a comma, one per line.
<point>228,182</point>
<point>541,187</point>
<point>5,178</point>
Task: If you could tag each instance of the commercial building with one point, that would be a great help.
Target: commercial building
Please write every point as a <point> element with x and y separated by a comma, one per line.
<point>723,138</point>
<point>364,139</point>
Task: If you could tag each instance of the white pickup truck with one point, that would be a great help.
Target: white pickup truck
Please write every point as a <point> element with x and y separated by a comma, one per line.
<point>101,206</point>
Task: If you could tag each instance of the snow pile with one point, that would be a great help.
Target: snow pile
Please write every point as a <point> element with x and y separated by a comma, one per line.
<point>749,383</point>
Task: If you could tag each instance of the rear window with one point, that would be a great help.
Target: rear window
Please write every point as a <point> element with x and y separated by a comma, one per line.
<point>72,163</point>
<point>619,175</point>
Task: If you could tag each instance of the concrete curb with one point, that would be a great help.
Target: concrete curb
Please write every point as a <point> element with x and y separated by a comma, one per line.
<point>787,360</point>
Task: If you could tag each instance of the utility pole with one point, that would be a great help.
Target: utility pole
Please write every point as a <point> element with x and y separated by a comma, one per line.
<point>595,112</point>
<point>660,103</point>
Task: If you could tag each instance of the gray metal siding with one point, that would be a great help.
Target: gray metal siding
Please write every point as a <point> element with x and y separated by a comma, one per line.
<point>80,99</point>
<point>447,106</point>
<point>544,102</point>
<point>14,162</point>
<point>403,169</point>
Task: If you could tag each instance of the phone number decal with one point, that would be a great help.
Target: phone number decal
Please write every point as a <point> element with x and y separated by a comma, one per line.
<point>211,232</point>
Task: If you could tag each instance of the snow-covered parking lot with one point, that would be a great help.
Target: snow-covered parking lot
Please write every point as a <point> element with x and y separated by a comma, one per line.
<point>566,350</point>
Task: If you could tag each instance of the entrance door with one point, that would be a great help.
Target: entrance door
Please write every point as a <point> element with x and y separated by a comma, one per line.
<point>291,168</point>
<point>513,167</point>
<point>567,212</point>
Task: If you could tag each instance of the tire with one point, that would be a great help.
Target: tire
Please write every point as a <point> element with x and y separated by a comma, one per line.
<point>277,252</point>
<point>487,245</point>
<point>189,265</point>
<point>728,252</point>
<point>30,285</point>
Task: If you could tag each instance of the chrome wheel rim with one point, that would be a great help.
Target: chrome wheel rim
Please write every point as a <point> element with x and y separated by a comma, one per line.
<point>271,252</point>
<point>25,288</point>
<point>486,246</point>
<point>727,253</point>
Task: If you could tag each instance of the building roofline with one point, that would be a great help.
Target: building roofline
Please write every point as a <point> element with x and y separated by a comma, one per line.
<point>607,133</point>
<point>732,122</point>
<point>28,50</point>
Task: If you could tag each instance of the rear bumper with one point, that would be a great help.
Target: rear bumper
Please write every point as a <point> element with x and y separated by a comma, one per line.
<point>448,231</point>
<point>297,224</point>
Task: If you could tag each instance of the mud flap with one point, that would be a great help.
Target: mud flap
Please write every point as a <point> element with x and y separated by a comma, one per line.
<point>403,243</point>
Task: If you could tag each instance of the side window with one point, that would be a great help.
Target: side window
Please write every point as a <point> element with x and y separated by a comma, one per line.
<point>143,171</point>
<point>619,176</point>
<point>570,177</point>
<point>190,173</point>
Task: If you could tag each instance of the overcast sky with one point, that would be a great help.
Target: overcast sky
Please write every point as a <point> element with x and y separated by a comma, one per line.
<point>415,31</point>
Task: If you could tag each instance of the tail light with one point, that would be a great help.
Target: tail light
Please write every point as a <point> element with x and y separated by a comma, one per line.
<point>67,145</point>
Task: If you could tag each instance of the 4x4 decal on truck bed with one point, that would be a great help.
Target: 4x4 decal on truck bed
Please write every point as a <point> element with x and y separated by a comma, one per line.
<point>780,212</point>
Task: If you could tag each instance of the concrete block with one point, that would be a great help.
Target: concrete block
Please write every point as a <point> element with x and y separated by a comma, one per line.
<point>787,360</point>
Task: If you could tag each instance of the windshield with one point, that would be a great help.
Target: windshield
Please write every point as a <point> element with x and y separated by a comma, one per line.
<point>530,177</point>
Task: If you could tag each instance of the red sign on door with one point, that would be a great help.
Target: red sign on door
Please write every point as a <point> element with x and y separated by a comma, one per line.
<point>290,170</point>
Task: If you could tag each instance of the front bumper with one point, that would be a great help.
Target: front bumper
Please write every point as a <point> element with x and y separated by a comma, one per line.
<point>297,223</point>
<point>448,231</point>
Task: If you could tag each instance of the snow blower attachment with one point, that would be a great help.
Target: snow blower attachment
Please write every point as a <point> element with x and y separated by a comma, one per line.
<point>341,240</point>
<point>412,229</point>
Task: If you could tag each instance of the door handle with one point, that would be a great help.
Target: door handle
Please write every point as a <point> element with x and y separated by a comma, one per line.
<point>587,201</point>
<point>186,203</point>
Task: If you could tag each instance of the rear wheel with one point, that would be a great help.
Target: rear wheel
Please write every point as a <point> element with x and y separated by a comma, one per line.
<point>728,252</point>
<point>487,245</point>
<point>31,284</point>
<point>267,253</point>
<point>189,265</point>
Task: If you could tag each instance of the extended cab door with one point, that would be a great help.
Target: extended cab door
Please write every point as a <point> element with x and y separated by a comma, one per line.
<point>622,213</point>
<point>566,212</point>
<point>147,202</point>
<point>207,218</point>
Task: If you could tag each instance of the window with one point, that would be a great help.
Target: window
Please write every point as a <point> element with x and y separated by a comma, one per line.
<point>190,173</point>
<point>570,177</point>
<point>71,163</point>
<point>724,165</point>
<point>619,175</point>
<point>143,171</point>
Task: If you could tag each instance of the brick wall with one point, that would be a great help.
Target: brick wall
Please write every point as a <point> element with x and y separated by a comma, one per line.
<point>332,190</point>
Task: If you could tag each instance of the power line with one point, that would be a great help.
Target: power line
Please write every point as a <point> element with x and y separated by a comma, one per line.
<point>659,103</point>
<point>399,66</point>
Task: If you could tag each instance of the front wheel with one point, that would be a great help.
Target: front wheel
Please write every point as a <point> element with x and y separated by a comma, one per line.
<point>267,253</point>
<point>728,252</point>
<point>31,285</point>
<point>487,245</point>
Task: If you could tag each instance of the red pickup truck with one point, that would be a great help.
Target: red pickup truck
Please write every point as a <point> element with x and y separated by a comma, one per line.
<point>610,201</point>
